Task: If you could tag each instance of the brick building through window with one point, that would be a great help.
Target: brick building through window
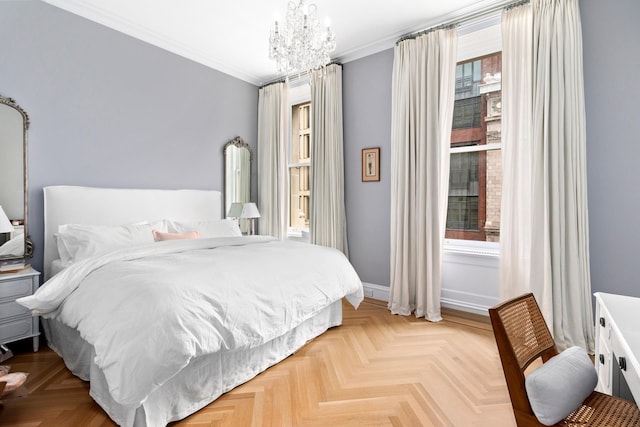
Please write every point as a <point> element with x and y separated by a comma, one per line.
<point>475,176</point>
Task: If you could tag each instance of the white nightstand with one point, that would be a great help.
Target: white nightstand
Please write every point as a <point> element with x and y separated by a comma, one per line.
<point>16,322</point>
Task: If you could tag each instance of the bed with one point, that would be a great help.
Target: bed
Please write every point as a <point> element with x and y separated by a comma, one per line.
<point>162,328</point>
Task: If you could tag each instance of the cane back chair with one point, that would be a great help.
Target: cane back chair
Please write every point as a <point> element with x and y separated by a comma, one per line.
<point>522,336</point>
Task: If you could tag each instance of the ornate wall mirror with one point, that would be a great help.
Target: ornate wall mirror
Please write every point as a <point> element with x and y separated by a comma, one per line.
<point>237,173</point>
<point>14,233</point>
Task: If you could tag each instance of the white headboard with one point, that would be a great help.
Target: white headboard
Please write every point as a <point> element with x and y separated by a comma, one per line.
<point>116,206</point>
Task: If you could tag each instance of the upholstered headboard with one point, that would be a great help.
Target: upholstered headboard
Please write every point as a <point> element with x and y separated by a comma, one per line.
<point>116,206</point>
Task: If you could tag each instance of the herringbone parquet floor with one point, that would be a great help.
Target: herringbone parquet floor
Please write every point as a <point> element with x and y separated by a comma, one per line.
<point>376,369</point>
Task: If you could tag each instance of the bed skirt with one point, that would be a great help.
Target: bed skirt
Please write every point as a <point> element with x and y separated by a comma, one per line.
<point>198,384</point>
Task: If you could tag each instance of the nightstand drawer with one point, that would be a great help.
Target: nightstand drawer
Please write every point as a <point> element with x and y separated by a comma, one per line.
<point>12,309</point>
<point>17,329</point>
<point>16,321</point>
<point>12,289</point>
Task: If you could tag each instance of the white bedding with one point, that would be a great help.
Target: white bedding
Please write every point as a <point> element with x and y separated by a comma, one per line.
<point>14,246</point>
<point>149,310</point>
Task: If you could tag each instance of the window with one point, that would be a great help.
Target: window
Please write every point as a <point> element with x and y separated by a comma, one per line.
<point>462,212</point>
<point>468,78</point>
<point>299,191</point>
<point>475,175</point>
<point>467,113</point>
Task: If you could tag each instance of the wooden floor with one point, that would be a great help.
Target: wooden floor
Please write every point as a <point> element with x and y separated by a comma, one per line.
<point>376,369</point>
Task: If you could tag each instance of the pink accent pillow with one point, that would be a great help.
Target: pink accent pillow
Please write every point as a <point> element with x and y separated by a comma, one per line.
<point>159,235</point>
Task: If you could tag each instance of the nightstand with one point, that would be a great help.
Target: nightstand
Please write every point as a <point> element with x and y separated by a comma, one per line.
<point>16,321</point>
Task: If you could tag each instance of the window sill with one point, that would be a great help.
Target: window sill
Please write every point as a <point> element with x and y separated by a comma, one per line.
<point>471,247</point>
<point>298,235</point>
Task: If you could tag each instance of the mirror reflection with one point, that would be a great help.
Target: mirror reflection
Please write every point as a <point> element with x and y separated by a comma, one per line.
<point>14,240</point>
<point>237,175</point>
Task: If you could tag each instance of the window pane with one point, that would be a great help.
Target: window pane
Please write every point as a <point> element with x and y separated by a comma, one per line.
<point>475,177</point>
<point>304,140</point>
<point>463,192</point>
<point>477,71</point>
<point>463,174</point>
<point>462,213</point>
<point>467,113</point>
<point>299,197</point>
<point>467,72</point>
<point>304,116</point>
<point>295,132</point>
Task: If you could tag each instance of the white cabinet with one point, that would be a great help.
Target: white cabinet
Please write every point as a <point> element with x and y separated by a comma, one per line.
<point>16,321</point>
<point>618,345</point>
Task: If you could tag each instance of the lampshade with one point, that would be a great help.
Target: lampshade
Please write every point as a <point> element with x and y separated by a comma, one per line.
<point>235,210</point>
<point>250,210</point>
<point>5,224</point>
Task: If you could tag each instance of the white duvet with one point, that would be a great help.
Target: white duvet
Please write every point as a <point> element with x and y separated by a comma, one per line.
<point>149,310</point>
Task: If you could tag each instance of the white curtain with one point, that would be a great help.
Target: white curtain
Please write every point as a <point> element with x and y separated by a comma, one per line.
<point>273,140</point>
<point>557,240</point>
<point>423,92</point>
<point>328,224</point>
<point>517,212</point>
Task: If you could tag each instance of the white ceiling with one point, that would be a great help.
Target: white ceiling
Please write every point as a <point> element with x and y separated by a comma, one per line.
<point>232,36</point>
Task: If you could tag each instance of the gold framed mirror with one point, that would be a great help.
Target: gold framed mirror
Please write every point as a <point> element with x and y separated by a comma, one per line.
<point>14,232</point>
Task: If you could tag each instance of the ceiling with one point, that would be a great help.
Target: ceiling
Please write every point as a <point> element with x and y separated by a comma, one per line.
<point>232,36</point>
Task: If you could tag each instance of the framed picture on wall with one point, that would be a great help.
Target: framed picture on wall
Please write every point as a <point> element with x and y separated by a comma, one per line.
<point>371,164</point>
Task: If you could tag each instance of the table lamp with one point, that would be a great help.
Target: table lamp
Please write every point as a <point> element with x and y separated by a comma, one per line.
<point>250,212</point>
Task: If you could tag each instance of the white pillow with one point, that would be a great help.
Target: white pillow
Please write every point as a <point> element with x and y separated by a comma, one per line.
<point>211,228</point>
<point>78,241</point>
<point>63,254</point>
<point>559,386</point>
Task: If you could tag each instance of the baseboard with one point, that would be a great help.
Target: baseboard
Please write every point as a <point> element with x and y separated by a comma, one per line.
<point>374,291</point>
<point>473,304</point>
<point>467,301</point>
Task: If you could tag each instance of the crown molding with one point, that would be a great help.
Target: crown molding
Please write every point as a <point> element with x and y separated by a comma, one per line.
<point>482,14</point>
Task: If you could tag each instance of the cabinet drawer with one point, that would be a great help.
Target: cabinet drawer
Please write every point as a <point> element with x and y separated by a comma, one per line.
<point>629,372</point>
<point>17,329</point>
<point>12,309</point>
<point>604,323</point>
<point>12,289</point>
<point>603,365</point>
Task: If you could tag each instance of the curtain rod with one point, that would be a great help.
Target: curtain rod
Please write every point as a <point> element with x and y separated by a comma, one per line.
<point>507,5</point>
<point>273,82</point>
<point>295,77</point>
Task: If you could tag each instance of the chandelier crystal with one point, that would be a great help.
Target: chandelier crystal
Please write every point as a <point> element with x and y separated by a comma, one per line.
<point>298,44</point>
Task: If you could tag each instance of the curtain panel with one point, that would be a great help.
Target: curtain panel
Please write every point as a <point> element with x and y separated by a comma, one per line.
<point>552,247</point>
<point>328,222</point>
<point>423,91</point>
<point>273,140</point>
<point>517,211</point>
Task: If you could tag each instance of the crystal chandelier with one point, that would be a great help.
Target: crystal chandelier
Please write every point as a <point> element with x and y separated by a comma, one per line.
<point>299,44</point>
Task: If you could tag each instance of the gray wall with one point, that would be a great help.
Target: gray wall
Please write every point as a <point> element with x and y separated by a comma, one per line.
<point>366,101</point>
<point>611,35</point>
<point>109,110</point>
<point>612,90</point>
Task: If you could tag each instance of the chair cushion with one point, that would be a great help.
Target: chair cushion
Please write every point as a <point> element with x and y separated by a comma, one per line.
<point>559,386</point>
